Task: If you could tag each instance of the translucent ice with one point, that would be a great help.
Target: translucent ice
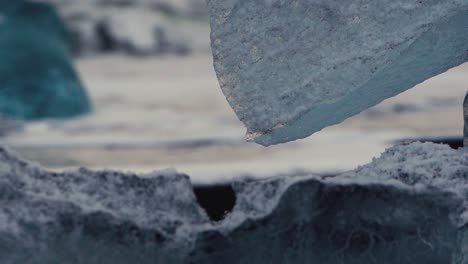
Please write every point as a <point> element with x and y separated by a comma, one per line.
<point>408,206</point>
<point>291,68</point>
<point>37,78</point>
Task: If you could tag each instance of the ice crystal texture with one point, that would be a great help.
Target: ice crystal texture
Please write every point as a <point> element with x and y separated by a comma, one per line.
<point>408,206</point>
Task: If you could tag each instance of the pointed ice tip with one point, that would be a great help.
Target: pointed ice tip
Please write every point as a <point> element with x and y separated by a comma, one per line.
<point>264,138</point>
<point>250,136</point>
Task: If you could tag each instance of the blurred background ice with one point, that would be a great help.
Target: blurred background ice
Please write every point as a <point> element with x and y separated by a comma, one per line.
<point>157,104</point>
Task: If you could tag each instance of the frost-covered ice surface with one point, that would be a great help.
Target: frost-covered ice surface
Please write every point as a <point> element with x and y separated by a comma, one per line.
<point>408,206</point>
<point>92,217</point>
<point>291,68</point>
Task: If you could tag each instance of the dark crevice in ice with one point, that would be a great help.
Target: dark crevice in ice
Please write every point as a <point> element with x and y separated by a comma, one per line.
<point>217,200</point>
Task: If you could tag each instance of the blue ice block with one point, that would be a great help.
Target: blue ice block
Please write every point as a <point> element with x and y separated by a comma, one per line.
<point>37,77</point>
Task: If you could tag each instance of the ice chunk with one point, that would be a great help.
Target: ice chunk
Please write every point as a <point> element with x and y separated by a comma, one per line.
<point>408,206</point>
<point>37,78</point>
<point>94,217</point>
<point>291,68</point>
<point>404,207</point>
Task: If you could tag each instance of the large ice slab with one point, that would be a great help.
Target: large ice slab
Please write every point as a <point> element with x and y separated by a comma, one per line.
<point>37,78</point>
<point>408,206</point>
<point>291,68</point>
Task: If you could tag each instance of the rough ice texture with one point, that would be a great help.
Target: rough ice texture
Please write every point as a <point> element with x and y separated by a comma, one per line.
<point>291,68</point>
<point>92,216</point>
<point>37,78</point>
<point>408,206</point>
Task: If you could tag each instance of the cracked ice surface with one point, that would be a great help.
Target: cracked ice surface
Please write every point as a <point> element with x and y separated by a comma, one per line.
<point>291,68</point>
<point>408,206</point>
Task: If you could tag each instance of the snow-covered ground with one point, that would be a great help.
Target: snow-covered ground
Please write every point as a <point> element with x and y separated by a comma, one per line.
<point>168,112</point>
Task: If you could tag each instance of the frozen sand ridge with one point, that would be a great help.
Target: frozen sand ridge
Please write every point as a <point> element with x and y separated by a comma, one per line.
<point>411,199</point>
<point>291,68</point>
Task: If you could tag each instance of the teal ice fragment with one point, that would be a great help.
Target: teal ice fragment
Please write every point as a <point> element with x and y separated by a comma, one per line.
<point>37,77</point>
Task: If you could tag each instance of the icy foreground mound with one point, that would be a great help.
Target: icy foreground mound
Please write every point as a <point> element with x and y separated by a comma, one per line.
<point>37,78</point>
<point>291,68</point>
<point>407,206</point>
